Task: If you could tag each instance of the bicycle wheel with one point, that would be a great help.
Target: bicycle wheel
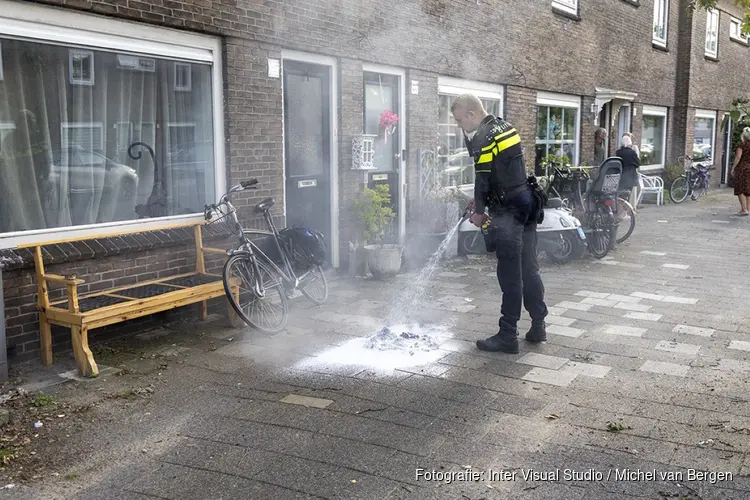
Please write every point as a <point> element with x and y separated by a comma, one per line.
<point>625,217</point>
<point>314,285</point>
<point>679,189</point>
<point>267,311</point>
<point>601,240</point>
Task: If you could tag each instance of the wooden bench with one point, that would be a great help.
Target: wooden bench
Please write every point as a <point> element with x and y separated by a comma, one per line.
<point>82,313</point>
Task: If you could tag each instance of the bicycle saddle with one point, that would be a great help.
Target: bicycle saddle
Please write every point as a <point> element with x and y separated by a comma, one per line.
<point>264,205</point>
<point>554,203</point>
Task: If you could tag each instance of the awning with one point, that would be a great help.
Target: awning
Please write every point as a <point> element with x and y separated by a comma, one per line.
<point>616,97</point>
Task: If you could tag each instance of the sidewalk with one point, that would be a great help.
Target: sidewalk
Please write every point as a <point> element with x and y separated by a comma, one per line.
<point>640,389</point>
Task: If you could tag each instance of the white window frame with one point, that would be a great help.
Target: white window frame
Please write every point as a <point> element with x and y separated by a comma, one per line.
<point>737,37</point>
<point>705,113</point>
<point>65,136</point>
<point>456,86</point>
<point>570,6</point>
<point>661,17</point>
<point>73,29</point>
<point>662,112</point>
<point>189,85</point>
<point>562,101</point>
<point>2,76</point>
<point>80,81</point>
<point>712,33</point>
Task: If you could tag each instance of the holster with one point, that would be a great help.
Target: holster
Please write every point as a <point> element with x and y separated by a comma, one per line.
<point>540,198</point>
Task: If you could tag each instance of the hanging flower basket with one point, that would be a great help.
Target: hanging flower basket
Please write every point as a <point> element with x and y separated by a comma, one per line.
<point>388,121</point>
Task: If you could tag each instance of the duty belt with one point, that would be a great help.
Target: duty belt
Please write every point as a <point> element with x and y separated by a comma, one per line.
<point>502,198</point>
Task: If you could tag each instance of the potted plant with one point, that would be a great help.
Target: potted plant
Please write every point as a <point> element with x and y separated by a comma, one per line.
<point>373,210</point>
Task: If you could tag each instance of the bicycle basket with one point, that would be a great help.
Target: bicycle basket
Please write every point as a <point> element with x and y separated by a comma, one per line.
<point>222,222</point>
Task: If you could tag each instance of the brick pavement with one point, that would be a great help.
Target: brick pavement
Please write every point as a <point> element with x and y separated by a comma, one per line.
<point>651,341</point>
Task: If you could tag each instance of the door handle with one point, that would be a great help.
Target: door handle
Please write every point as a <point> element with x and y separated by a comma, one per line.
<point>401,155</point>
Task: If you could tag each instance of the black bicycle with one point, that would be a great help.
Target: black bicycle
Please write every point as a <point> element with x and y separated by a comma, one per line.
<point>694,182</point>
<point>257,288</point>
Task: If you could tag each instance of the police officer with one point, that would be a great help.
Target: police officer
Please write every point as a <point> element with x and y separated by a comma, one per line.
<point>501,185</point>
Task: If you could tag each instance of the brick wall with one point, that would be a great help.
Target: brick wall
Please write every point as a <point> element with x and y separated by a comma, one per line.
<point>422,115</point>
<point>520,110</point>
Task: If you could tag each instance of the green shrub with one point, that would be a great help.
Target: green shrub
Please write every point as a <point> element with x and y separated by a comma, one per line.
<point>373,210</point>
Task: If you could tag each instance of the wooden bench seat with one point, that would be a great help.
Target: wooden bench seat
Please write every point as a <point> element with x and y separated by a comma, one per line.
<point>84,312</point>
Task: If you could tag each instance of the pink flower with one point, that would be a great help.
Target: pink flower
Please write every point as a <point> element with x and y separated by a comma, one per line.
<point>388,119</point>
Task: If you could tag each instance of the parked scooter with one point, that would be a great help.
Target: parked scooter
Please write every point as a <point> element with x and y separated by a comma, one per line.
<point>560,235</point>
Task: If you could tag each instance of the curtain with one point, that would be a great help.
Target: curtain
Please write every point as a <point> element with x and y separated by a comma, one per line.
<point>67,120</point>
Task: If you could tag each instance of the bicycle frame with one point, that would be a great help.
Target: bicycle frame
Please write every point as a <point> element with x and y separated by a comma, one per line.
<point>250,249</point>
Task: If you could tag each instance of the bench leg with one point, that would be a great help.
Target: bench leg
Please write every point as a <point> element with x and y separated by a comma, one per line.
<point>204,310</point>
<point>234,318</point>
<point>45,339</point>
<point>84,358</point>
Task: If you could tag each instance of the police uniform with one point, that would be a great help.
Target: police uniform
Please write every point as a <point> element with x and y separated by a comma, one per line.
<point>502,187</point>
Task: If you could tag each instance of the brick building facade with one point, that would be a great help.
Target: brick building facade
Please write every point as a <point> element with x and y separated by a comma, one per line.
<point>225,90</point>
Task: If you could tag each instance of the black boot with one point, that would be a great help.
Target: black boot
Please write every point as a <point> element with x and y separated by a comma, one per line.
<point>502,341</point>
<point>537,332</point>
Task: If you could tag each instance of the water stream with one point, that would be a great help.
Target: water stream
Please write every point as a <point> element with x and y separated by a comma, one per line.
<point>408,299</point>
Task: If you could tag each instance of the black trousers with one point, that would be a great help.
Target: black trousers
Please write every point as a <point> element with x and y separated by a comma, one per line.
<point>515,239</point>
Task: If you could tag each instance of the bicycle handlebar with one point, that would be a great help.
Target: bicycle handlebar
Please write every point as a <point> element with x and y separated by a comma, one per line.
<point>248,184</point>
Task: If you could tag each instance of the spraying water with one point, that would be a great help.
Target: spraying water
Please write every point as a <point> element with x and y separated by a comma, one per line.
<point>410,298</point>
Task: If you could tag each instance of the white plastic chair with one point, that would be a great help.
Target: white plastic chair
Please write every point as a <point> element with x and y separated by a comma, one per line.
<point>650,184</point>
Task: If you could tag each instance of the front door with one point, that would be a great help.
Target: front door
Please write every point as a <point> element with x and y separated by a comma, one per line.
<point>381,99</point>
<point>727,156</point>
<point>307,143</point>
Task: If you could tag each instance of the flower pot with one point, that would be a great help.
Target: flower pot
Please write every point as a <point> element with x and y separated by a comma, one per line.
<point>384,261</point>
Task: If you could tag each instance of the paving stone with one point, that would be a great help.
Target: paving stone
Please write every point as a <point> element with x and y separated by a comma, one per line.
<point>551,377</point>
<point>688,349</point>
<point>628,331</point>
<point>556,311</point>
<point>594,301</point>
<point>587,369</point>
<point>574,305</point>
<point>624,298</point>
<point>648,296</point>
<point>629,306</point>
<point>542,361</point>
<point>451,274</point>
<point>680,300</point>
<point>665,368</point>
<point>694,330</point>
<point>651,252</point>
<point>565,331</point>
<point>551,319</point>
<point>734,365</point>
<point>739,345</point>
<point>642,316</point>
<point>675,266</point>
<point>590,294</point>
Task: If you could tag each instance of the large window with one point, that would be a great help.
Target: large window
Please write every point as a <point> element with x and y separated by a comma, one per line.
<point>381,102</point>
<point>654,137</point>
<point>557,124</point>
<point>661,16</point>
<point>705,136</point>
<point>70,115</point>
<point>712,33</point>
<point>453,159</point>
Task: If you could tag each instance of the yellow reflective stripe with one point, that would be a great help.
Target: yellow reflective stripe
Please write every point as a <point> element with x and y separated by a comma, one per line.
<point>495,150</point>
<point>487,148</point>
<point>509,142</point>
<point>505,134</point>
<point>485,158</point>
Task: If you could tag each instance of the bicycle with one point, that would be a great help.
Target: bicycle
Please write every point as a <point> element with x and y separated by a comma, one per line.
<point>598,220</point>
<point>693,180</point>
<point>624,212</point>
<point>249,273</point>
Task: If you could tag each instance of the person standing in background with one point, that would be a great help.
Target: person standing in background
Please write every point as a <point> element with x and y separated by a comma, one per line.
<point>630,165</point>
<point>600,149</point>
<point>741,172</point>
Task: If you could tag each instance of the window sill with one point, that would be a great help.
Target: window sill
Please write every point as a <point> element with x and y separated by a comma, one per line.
<point>634,3</point>
<point>566,13</point>
<point>711,58</point>
<point>659,46</point>
<point>652,168</point>
<point>740,41</point>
